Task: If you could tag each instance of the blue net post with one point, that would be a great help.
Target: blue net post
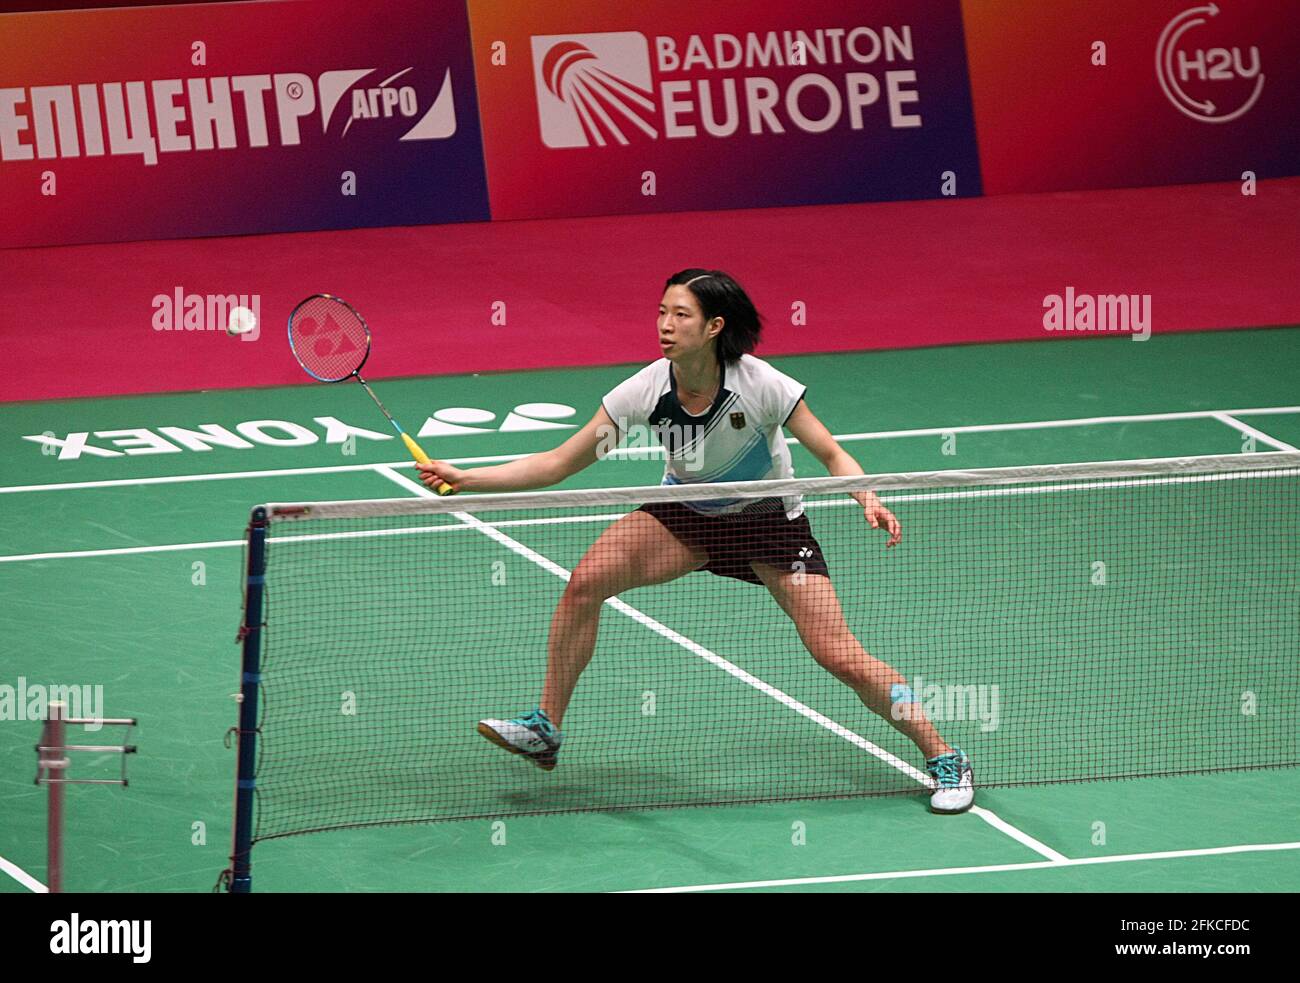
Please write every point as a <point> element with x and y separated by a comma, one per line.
<point>241,880</point>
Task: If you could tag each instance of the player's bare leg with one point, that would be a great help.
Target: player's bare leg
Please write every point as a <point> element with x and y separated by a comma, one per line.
<point>634,551</point>
<point>811,603</point>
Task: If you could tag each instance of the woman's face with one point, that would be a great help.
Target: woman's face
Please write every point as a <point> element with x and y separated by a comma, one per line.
<point>683,331</point>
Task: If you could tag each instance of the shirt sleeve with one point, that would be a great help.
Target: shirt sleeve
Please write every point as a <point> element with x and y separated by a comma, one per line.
<point>630,402</point>
<point>783,395</point>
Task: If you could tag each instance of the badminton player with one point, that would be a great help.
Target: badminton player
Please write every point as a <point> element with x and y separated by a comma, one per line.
<point>719,412</point>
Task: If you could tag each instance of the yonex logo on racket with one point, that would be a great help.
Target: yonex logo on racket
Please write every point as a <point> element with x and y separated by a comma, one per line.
<point>328,338</point>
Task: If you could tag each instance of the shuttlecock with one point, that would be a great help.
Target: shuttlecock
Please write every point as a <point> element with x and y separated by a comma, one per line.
<point>242,321</point>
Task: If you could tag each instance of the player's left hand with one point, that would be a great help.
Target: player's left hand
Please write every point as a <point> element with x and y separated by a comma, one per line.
<point>878,516</point>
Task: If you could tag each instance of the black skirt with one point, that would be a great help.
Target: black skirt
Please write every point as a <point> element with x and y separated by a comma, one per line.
<point>760,533</point>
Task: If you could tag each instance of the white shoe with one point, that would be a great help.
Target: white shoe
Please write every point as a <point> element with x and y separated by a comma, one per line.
<point>531,735</point>
<point>954,781</point>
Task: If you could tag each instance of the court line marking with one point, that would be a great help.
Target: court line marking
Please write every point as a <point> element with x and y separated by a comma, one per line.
<point>119,551</point>
<point>887,498</point>
<point>1002,826</point>
<point>1250,431</point>
<point>226,475</point>
<point>729,667</point>
<point>623,453</point>
<point>983,869</point>
<point>1086,421</point>
<point>22,877</point>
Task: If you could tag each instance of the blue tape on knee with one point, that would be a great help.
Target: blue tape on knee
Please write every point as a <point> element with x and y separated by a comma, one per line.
<point>901,693</point>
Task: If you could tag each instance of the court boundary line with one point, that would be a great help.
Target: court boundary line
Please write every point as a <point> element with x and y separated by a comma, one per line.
<point>839,730</point>
<point>1249,431</point>
<point>887,497</point>
<point>980,869</point>
<point>120,551</point>
<point>1016,833</point>
<point>1083,421</point>
<point>623,453</point>
<point>22,877</point>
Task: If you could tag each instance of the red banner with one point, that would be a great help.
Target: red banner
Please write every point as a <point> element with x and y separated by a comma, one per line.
<point>1076,94</point>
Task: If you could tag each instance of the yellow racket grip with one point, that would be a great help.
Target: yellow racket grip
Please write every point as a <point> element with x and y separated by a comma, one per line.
<point>423,458</point>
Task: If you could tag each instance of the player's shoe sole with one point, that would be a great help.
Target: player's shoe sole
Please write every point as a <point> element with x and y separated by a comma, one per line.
<point>545,761</point>
<point>952,812</point>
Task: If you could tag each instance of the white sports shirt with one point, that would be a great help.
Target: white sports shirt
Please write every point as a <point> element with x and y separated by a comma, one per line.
<point>738,438</point>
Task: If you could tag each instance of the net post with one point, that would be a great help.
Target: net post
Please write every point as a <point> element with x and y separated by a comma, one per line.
<point>55,762</point>
<point>250,634</point>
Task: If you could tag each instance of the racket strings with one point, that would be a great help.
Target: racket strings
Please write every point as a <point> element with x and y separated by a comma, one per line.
<point>329,338</point>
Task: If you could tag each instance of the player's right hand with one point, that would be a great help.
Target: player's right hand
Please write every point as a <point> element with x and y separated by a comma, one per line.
<point>435,473</point>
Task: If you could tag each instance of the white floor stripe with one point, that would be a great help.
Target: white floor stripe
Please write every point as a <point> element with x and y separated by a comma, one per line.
<point>120,551</point>
<point>985,869</point>
<point>1089,421</point>
<point>311,537</point>
<point>1250,431</point>
<point>887,497</point>
<point>635,452</point>
<point>22,877</point>
<point>1265,410</point>
<point>172,479</point>
<point>767,690</point>
<point>1000,824</point>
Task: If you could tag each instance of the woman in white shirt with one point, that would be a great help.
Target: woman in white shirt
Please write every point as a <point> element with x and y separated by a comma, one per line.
<point>719,412</point>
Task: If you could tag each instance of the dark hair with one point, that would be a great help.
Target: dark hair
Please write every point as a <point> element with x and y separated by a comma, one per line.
<point>721,296</point>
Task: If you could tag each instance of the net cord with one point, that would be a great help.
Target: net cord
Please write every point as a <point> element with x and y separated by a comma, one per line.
<point>1283,463</point>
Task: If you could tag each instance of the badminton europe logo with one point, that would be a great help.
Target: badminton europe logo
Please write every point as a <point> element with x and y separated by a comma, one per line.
<point>599,90</point>
<point>1210,85</point>
<point>590,87</point>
